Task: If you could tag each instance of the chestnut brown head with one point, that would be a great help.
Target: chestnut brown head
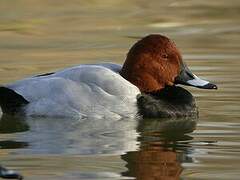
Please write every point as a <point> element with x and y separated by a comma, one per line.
<point>155,62</point>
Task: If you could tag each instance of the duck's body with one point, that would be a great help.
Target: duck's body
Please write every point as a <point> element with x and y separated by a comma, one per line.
<point>96,90</point>
<point>110,90</point>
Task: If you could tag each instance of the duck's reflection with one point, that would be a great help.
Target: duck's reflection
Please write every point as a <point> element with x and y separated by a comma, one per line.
<point>152,149</point>
<point>8,125</point>
<point>160,154</point>
<point>153,162</point>
<point>12,124</point>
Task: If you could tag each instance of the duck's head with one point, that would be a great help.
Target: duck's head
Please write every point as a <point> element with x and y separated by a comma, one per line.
<point>155,62</point>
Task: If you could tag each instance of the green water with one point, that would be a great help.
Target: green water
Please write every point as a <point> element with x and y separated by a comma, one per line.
<point>43,36</point>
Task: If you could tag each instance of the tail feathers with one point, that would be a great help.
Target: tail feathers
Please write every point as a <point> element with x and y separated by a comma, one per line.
<point>10,101</point>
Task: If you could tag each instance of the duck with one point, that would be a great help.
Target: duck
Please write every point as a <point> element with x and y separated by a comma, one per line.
<point>146,85</point>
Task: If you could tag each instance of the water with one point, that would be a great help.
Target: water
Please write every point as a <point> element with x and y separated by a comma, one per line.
<point>43,36</point>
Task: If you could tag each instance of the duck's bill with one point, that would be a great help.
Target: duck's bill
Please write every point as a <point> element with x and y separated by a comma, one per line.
<point>186,77</point>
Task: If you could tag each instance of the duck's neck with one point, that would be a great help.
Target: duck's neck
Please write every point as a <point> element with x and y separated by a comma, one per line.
<point>143,80</point>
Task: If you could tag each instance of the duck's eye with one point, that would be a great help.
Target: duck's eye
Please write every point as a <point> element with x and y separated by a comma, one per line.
<point>165,56</point>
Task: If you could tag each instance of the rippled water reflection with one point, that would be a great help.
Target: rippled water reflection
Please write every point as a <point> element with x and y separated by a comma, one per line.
<point>42,36</point>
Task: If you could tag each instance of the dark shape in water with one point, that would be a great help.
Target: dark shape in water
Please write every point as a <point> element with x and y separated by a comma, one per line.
<point>13,124</point>
<point>12,144</point>
<point>9,174</point>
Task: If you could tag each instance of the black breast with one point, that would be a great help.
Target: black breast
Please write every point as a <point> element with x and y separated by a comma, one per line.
<point>172,101</point>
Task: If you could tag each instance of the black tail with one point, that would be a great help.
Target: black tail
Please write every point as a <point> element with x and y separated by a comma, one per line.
<point>10,101</point>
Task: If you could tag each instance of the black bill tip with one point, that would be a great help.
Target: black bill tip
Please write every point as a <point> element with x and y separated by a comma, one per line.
<point>209,86</point>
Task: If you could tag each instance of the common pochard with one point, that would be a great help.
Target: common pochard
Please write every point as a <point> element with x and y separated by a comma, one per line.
<point>145,85</point>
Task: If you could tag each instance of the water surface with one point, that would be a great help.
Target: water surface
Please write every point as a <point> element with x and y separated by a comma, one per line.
<point>44,36</point>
